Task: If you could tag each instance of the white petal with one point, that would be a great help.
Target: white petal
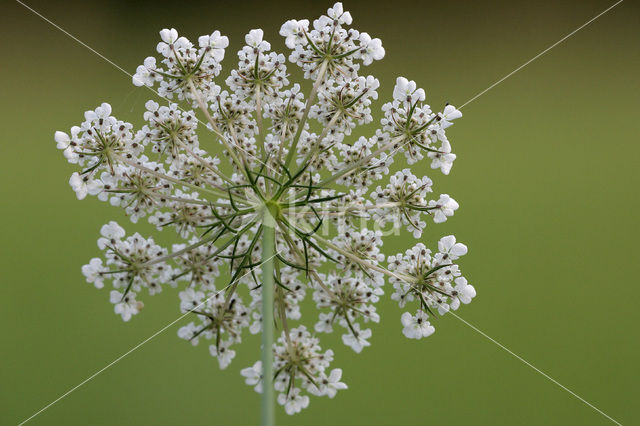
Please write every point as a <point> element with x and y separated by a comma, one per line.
<point>445,243</point>
<point>459,249</point>
<point>62,139</point>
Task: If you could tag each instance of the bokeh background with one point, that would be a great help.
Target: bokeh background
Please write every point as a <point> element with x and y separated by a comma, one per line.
<point>546,175</point>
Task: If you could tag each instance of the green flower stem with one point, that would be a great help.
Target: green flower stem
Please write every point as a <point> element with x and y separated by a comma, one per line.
<point>362,161</point>
<point>215,129</point>
<point>217,192</point>
<point>354,208</point>
<point>312,95</point>
<point>259,119</point>
<point>311,156</point>
<point>207,165</point>
<point>268,256</point>
<point>365,263</point>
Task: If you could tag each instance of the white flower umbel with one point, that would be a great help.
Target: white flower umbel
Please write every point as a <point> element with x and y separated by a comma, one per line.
<point>293,205</point>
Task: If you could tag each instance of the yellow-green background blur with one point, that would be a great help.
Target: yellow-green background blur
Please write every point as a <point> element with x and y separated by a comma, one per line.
<point>546,176</point>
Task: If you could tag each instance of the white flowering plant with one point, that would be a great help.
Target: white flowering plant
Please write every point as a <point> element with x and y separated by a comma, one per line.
<point>296,204</point>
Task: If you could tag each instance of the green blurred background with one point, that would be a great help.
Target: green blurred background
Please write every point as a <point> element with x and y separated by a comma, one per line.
<point>546,175</point>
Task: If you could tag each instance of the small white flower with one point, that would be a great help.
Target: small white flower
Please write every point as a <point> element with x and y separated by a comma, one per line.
<point>372,49</point>
<point>448,245</point>
<point>406,90</point>
<point>443,159</point>
<point>169,36</point>
<point>62,140</point>
<point>324,324</point>
<point>443,208</point>
<point>224,355</point>
<point>68,143</point>
<point>449,114</point>
<point>438,301</point>
<point>418,326</point>
<point>190,299</point>
<point>357,343</point>
<point>146,74</point>
<point>253,376</point>
<point>462,292</point>
<point>110,231</point>
<point>125,305</point>
<point>101,115</point>
<point>215,44</point>
<point>254,39</point>
<point>337,12</point>
<point>329,385</point>
<point>294,32</point>
<point>83,187</point>
<point>293,403</point>
<point>189,332</point>
<point>93,272</point>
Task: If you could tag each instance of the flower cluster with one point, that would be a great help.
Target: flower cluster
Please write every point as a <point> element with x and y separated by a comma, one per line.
<point>294,205</point>
<point>434,282</point>
<point>132,264</point>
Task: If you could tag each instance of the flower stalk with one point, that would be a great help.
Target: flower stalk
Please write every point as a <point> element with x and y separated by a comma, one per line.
<point>312,95</point>
<point>268,255</point>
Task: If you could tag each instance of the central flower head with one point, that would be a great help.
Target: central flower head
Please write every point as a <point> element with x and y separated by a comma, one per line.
<point>283,209</point>
<point>271,212</point>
